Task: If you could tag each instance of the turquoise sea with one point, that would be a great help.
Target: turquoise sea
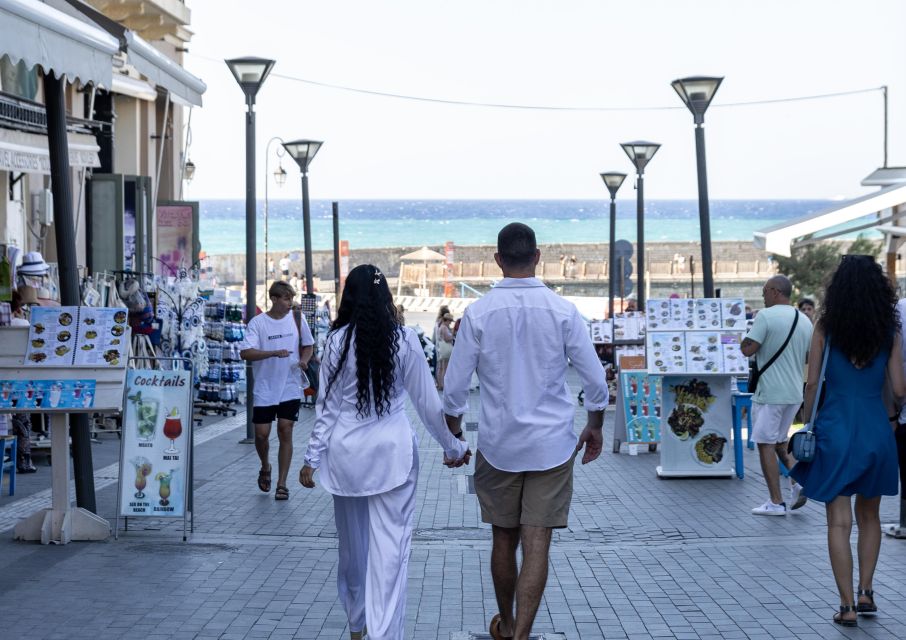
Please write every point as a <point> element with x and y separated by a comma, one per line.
<point>413,223</point>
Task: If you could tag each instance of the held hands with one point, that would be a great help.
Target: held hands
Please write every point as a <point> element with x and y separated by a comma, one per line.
<point>453,463</point>
<point>307,477</point>
<point>593,441</point>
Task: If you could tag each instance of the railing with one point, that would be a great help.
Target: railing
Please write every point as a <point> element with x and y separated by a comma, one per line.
<point>27,115</point>
<point>463,287</point>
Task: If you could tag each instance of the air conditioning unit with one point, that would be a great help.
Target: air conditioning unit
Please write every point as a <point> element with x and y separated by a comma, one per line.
<point>42,206</point>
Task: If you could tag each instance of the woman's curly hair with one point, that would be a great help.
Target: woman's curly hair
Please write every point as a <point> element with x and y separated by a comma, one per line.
<point>859,310</point>
<point>369,316</point>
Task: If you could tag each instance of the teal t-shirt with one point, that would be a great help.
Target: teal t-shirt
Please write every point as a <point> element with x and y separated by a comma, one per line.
<point>782,382</point>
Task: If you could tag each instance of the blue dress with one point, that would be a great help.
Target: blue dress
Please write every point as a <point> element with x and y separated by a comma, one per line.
<point>856,450</point>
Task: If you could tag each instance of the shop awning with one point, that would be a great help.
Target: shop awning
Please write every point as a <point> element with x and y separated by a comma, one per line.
<point>782,238</point>
<point>60,44</point>
<point>160,70</point>
<point>133,87</point>
<point>28,152</point>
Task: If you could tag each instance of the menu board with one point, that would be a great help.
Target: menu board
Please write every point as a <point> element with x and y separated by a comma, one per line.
<point>695,313</point>
<point>601,331</point>
<point>641,398</point>
<point>64,336</point>
<point>47,394</point>
<point>629,326</point>
<point>157,436</point>
<point>696,351</point>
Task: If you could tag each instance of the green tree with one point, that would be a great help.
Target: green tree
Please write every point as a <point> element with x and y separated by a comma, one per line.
<point>809,268</point>
<point>864,246</point>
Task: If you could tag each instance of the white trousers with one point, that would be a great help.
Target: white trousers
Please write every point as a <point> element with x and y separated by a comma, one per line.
<point>375,538</point>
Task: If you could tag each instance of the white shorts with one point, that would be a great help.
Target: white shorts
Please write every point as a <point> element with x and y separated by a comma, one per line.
<point>771,422</point>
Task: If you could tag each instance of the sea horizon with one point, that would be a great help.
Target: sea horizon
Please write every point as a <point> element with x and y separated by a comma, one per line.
<point>388,223</point>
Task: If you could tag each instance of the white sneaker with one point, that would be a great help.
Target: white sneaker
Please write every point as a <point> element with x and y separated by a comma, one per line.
<point>797,499</point>
<point>770,509</point>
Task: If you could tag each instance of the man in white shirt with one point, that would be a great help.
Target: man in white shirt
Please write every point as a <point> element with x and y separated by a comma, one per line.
<point>279,351</point>
<point>519,338</point>
<point>284,267</point>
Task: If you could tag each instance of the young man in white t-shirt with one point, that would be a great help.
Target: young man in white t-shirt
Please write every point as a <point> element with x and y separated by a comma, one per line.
<point>278,350</point>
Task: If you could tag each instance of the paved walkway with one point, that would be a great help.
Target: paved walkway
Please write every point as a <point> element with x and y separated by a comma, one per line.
<point>642,558</point>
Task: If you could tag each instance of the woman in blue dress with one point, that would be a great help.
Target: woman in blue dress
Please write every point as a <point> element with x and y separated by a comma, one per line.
<point>856,451</point>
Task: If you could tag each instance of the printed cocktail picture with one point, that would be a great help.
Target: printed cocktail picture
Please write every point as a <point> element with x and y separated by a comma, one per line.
<point>142,471</point>
<point>146,411</point>
<point>172,429</point>
<point>164,480</point>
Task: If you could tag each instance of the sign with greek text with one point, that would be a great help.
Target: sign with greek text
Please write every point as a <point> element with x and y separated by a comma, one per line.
<point>157,437</point>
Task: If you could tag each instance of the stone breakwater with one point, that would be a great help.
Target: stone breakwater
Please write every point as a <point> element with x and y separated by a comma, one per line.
<point>230,268</point>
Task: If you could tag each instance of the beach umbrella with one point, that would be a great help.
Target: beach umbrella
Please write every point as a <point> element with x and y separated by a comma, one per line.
<point>423,255</point>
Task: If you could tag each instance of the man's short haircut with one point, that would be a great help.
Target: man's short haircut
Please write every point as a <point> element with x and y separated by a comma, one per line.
<point>782,284</point>
<point>516,245</point>
<point>281,289</point>
<point>805,301</point>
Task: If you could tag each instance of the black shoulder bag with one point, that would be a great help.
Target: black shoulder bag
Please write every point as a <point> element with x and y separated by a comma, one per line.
<point>755,373</point>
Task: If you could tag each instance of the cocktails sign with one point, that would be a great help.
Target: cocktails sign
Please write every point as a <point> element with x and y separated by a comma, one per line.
<point>157,432</point>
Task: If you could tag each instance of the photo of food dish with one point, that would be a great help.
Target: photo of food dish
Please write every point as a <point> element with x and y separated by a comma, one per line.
<point>37,343</point>
<point>89,321</point>
<point>62,350</point>
<point>685,421</point>
<point>696,393</point>
<point>120,317</point>
<point>63,336</point>
<point>117,330</point>
<point>115,341</point>
<point>38,357</point>
<point>91,335</point>
<point>87,347</point>
<point>112,356</point>
<point>39,328</point>
<point>709,449</point>
<point>65,319</point>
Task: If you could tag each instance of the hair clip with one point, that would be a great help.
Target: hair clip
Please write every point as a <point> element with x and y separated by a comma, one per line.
<point>377,276</point>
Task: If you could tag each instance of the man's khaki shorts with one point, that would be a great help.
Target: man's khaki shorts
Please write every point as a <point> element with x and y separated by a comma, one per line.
<point>535,498</point>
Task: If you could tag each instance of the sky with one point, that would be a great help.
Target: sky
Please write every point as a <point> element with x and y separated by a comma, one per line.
<point>563,53</point>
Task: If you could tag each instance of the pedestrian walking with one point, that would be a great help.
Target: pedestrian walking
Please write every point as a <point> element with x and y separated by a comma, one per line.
<point>856,452</point>
<point>779,341</point>
<point>444,333</point>
<point>279,351</point>
<point>284,266</point>
<point>519,337</point>
<point>367,451</point>
<point>807,306</point>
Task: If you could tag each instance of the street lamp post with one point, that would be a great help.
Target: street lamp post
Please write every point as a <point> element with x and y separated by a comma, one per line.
<point>612,180</point>
<point>280,180</point>
<point>303,152</point>
<point>640,153</point>
<point>250,73</point>
<point>696,93</point>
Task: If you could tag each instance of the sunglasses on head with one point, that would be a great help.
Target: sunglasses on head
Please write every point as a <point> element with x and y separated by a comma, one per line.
<point>860,257</point>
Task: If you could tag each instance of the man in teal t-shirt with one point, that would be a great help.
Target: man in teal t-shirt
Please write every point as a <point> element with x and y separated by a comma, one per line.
<point>779,392</point>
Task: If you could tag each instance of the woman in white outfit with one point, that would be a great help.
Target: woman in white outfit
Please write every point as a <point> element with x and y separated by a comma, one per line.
<point>367,451</point>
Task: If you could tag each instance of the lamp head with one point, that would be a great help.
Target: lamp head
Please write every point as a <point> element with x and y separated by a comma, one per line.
<point>189,171</point>
<point>280,175</point>
<point>640,152</point>
<point>303,152</point>
<point>250,73</point>
<point>697,92</point>
<point>613,180</point>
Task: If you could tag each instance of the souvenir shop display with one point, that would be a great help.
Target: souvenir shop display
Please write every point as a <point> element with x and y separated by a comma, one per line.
<point>224,331</point>
<point>180,309</point>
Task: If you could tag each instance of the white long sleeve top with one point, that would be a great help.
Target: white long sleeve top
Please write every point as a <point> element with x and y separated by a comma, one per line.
<point>370,455</point>
<point>519,337</point>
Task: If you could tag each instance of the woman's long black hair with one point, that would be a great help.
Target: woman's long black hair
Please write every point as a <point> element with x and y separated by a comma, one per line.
<point>368,313</point>
<point>859,310</point>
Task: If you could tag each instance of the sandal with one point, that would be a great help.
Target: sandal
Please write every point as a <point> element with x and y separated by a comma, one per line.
<point>358,635</point>
<point>494,629</point>
<point>264,479</point>
<point>866,607</point>
<point>282,493</point>
<point>845,622</point>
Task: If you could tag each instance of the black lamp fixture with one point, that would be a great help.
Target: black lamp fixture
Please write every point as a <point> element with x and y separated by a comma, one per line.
<point>280,175</point>
<point>697,92</point>
<point>303,152</point>
<point>250,73</point>
<point>189,170</point>
<point>640,152</point>
<point>612,180</point>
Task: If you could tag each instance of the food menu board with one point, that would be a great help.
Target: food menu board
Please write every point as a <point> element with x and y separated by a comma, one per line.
<point>696,313</point>
<point>696,351</point>
<point>629,326</point>
<point>601,331</point>
<point>47,394</point>
<point>696,432</point>
<point>64,336</point>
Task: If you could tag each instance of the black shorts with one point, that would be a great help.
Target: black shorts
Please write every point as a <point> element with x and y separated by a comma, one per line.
<point>287,410</point>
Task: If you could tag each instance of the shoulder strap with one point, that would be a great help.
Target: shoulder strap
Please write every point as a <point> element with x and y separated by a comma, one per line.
<point>811,421</point>
<point>783,346</point>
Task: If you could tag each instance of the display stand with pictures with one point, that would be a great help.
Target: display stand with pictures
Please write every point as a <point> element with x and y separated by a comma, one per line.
<point>638,417</point>
<point>157,443</point>
<point>694,345</point>
<point>58,390</point>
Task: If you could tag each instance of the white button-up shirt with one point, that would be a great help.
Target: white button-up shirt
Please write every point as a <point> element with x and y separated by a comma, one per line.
<point>519,337</point>
<point>370,455</point>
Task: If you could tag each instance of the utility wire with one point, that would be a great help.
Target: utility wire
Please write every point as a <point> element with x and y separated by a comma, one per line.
<point>499,105</point>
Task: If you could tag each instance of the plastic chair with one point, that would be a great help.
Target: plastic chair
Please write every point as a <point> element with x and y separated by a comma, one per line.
<point>9,466</point>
